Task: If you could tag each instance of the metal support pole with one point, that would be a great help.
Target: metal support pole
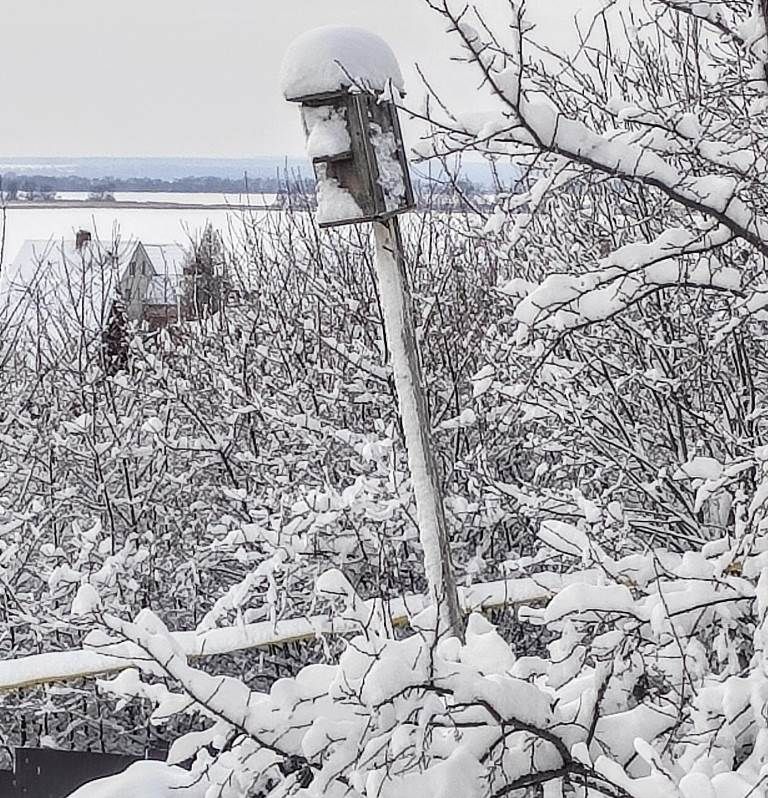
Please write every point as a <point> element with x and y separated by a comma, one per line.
<point>397,308</point>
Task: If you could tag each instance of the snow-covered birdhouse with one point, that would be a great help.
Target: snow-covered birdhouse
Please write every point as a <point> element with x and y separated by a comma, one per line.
<point>347,81</point>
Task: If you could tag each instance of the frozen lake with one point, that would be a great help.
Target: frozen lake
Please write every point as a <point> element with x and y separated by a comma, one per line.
<point>177,198</point>
<point>151,225</point>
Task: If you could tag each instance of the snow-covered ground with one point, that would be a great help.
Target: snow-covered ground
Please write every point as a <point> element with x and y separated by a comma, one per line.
<point>153,226</point>
<point>185,198</point>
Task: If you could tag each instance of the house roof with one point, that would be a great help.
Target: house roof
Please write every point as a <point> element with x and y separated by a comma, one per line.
<point>168,264</point>
<point>61,257</point>
<point>168,259</point>
<point>54,287</point>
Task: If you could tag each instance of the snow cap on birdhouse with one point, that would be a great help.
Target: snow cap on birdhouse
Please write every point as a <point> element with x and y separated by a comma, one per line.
<point>347,81</point>
<point>337,58</point>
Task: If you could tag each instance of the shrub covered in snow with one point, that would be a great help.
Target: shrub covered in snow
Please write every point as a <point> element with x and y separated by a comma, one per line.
<point>597,375</point>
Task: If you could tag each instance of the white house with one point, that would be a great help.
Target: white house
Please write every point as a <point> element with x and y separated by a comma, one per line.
<point>69,287</point>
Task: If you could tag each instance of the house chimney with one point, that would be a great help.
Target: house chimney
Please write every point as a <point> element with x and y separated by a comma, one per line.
<point>81,238</point>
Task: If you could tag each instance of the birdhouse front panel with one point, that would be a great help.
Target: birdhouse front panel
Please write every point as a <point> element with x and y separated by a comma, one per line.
<point>356,147</point>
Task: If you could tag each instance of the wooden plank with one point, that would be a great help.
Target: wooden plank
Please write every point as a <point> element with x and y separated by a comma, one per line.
<point>111,658</point>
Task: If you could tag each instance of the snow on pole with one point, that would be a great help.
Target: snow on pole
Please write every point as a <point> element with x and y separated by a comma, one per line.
<point>347,81</point>
<point>397,309</point>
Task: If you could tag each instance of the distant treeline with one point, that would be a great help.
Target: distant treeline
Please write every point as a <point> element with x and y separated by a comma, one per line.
<point>45,186</point>
<point>458,194</point>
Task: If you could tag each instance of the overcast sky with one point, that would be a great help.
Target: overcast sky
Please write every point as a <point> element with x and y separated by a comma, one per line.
<point>193,77</point>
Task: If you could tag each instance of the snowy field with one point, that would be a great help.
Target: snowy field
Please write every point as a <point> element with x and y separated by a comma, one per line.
<point>179,198</point>
<point>152,226</point>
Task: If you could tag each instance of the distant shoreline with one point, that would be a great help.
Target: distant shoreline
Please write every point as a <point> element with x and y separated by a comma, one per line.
<point>93,205</point>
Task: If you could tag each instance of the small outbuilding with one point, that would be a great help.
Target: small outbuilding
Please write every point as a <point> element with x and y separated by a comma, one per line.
<point>152,286</point>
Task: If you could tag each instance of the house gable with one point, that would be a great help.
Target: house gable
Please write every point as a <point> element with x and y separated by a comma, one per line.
<point>135,280</point>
